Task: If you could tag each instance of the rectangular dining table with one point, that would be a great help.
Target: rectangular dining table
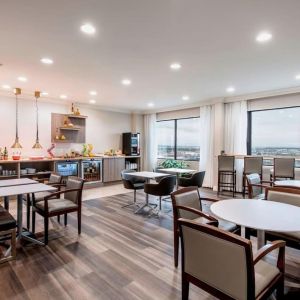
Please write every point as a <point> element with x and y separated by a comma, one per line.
<point>19,191</point>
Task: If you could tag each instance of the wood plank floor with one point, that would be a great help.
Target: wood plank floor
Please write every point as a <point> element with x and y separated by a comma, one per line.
<point>119,255</point>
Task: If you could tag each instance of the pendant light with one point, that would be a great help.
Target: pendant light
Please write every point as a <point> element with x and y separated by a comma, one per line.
<point>16,144</point>
<point>37,144</point>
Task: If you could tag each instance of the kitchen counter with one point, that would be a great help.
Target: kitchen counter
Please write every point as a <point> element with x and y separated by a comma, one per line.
<point>10,160</point>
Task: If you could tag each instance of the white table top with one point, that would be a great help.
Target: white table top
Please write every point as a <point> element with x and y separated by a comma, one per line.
<point>176,170</point>
<point>25,189</point>
<point>146,174</point>
<point>259,214</point>
<point>12,182</point>
<point>288,183</point>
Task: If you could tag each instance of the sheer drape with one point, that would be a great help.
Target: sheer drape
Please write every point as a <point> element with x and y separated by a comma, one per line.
<point>207,144</point>
<point>235,134</point>
<point>150,144</point>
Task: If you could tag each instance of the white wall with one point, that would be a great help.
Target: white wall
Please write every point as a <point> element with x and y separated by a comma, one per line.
<point>103,129</point>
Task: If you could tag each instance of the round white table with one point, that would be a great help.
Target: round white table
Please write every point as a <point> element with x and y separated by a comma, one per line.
<point>288,183</point>
<point>263,215</point>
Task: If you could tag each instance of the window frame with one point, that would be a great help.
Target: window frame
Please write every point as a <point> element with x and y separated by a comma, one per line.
<point>249,129</point>
<point>175,136</point>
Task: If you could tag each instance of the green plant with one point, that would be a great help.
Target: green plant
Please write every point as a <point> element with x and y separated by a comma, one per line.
<point>172,163</point>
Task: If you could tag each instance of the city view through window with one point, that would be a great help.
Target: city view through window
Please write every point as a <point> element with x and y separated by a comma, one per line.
<point>276,132</point>
<point>187,136</point>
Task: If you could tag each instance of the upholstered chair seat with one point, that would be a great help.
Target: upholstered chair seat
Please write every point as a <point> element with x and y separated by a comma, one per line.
<point>56,205</point>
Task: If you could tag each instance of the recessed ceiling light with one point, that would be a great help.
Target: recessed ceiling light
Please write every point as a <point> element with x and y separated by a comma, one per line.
<point>88,28</point>
<point>22,78</point>
<point>44,93</point>
<point>175,66</point>
<point>230,89</point>
<point>63,96</point>
<point>185,98</point>
<point>126,82</point>
<point>150,104</point>
<point>297,77</point>
<point>92,101</point>
<point>47,61</point>
<point>6,86</point>
<point>93,93</point>
<point>263,37</point>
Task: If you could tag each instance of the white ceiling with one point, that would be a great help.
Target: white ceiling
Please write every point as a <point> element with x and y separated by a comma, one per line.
<point>214,40</point>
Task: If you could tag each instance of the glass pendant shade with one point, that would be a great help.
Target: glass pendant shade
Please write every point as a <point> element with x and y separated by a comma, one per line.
<point>16,144</point>
<point>37,144</point>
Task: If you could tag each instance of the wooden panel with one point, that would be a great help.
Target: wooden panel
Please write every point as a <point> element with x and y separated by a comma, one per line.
<point>76,135</point>
<point>112,168</point>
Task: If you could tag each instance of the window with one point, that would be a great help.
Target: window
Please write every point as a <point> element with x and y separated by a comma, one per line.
<point>274,132</point>
<point>179,139</point>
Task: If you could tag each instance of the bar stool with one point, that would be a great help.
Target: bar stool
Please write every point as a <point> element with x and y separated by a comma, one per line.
<point>284,168</point>
<point>226,174</point>
<point>252,165</point>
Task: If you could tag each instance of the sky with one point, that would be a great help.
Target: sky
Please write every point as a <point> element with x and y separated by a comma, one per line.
<point>276,128</point>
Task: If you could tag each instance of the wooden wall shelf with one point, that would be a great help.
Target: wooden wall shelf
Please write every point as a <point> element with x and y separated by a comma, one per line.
<point>74,134</point>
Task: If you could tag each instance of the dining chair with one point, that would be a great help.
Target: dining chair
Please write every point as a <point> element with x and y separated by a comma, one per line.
<point>223,264</point>
<point>187,204</point>
<point>53,206</point>
<point>284,168</point>
<point>289,196</point>
<point>132,183</point>
<point>164,187</point>
<point>252,165</point>
<point>55,180</point>
<point>195,179</point>
<point>256,186</point>
<point>7,232</point>
<point>226,174</point>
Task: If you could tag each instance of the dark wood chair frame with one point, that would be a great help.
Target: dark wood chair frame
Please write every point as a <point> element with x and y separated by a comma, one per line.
<point>277,283</point>
<point>245,183</point>
<point>46,214</point>
<point>213,221</point>
<point>222,184</point>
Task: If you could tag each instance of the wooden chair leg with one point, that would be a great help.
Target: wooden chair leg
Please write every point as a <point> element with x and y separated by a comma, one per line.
<point>218,183</point>
<point>66,219</point>
<point>280,290</point>
<point>134,197</point>
<point>6,203</point>
<point>46,228</point>
<point>33,221</point>
<point>13,244</point>
<point>159,202</point>
<point>176,248</point>
<point>58,218</point>
<point>79,221</point>
<point>28,205</point>
<point>185,288</point>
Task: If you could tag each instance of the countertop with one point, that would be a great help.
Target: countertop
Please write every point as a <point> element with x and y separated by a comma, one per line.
<point>10,160</point>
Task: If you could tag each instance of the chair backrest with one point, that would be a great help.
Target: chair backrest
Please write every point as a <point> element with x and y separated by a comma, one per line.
<point>253,191</point>
<point>74,183</point>
<point>284,167</point>
<point>218,259</point>
<point>253,164</point>
<point>166,185</point>
<point>197,178</point>
<point>55,178</point>
<point>226,163</point>
<point>284,195</point>
<point>124,174</point>
<point>188,196</point>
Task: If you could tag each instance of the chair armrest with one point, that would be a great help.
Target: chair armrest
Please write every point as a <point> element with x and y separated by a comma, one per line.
<point>267,181</point>
<point>262,252</point>
<point>261,185</point>
<point>61,192</point>
<point>198,212</point>
<point>209,199</point>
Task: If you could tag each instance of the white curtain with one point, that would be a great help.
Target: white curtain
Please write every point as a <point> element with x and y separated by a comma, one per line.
<point>235,135</point>
<point>150,143</point>
<point>207,144</point>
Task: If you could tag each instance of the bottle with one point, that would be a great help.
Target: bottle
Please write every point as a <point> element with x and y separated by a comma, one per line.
<point>72,108</point>
<point>5,154</point>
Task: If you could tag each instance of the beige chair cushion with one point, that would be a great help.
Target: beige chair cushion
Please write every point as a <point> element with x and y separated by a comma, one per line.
<point>295,235</point>
<point>57,205</point>
<point>40,196</point>
<point>190,199</point>
<point>288,198</point>
<point>264,274</point>
<point>201,220</point>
